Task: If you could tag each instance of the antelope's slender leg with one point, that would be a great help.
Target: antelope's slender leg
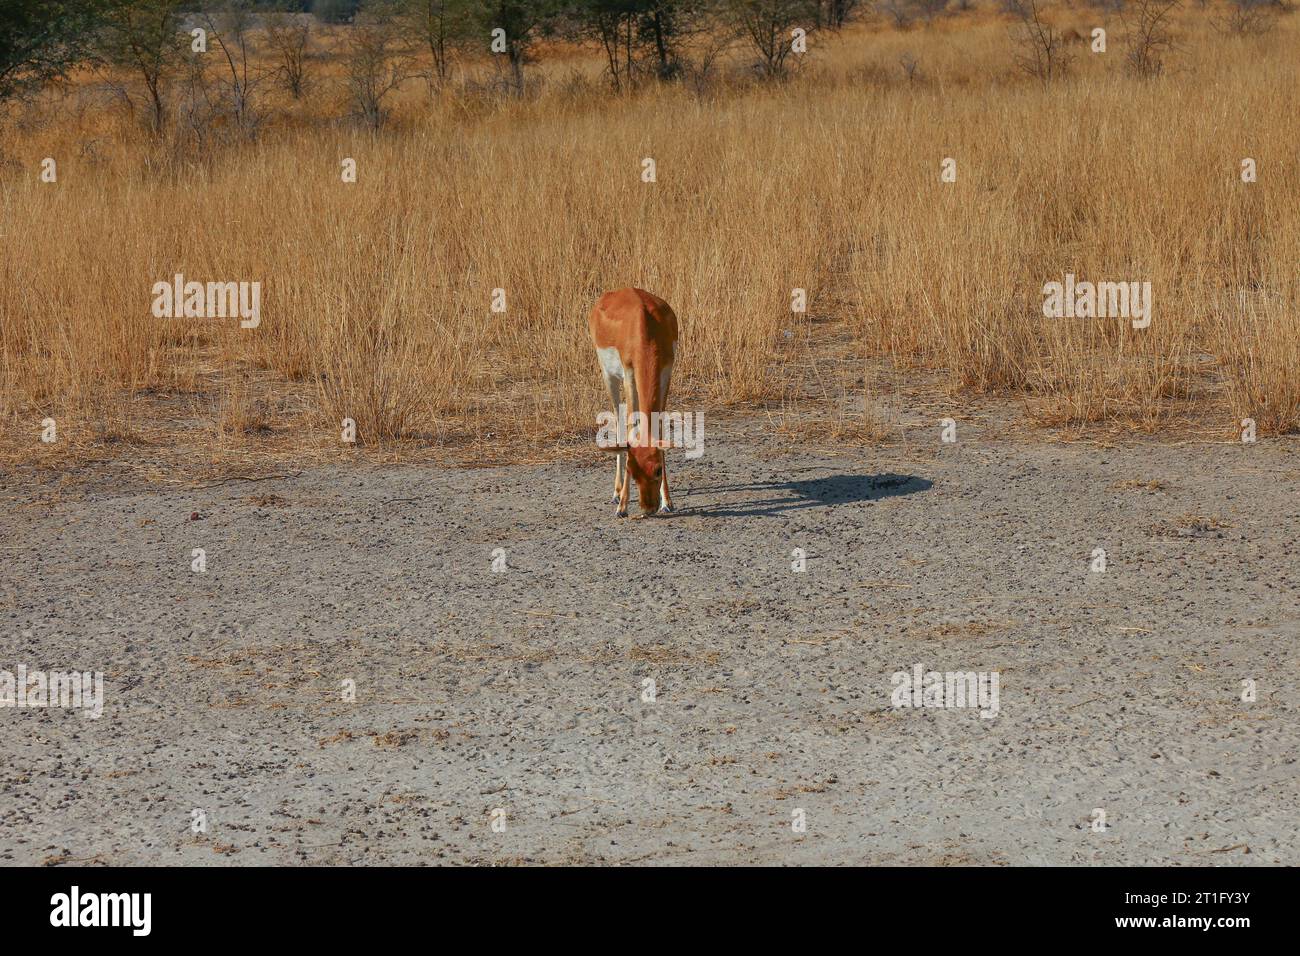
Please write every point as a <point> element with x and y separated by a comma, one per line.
<point>665,503</point>
<point>628,404</point>
<point>665,379</point>
<point>620,458</point>
<point>624,495</point>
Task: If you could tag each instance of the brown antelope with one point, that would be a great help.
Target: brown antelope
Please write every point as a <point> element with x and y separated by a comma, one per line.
<point>635,334</point>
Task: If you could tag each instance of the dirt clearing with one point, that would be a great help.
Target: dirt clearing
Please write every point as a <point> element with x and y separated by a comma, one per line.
<point>520,696</point>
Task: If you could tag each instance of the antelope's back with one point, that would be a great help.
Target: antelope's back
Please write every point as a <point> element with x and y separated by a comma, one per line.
<point>629,319</point>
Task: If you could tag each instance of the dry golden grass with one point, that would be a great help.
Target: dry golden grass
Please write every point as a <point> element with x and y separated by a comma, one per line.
<point>376,294</point>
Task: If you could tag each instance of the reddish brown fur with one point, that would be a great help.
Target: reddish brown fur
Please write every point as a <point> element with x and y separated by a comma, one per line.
<point>643,328</point>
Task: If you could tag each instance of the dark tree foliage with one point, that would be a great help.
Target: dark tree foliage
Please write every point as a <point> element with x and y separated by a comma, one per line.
<point>514,25</point>
<point>40,40</point>
<point>335,11</point>
<point>638,37</point>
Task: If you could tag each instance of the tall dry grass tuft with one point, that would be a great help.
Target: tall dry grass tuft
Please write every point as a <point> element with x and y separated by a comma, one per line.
<point>1257,342</point>
<point>377,295</point>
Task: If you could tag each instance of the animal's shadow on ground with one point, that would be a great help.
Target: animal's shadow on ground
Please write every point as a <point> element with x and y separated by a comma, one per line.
<point>828,492</point>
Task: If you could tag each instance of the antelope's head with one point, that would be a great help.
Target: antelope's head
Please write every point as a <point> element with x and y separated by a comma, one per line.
<point>646,466</point>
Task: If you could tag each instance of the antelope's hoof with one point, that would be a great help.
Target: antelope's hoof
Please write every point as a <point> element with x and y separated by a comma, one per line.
<point>620,513</point>
<point>665,509</point>
<point>613,499</point>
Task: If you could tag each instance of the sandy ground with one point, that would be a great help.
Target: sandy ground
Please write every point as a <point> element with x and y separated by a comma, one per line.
<point>522,690</point>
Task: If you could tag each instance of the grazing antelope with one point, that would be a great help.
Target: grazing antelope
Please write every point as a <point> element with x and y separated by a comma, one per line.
<point>635,334</point>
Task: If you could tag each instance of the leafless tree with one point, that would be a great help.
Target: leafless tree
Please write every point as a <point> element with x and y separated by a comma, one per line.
<point>289,37</point>
<point>1250,17</point>
<point>701,69</point>
<point>930,9</point>
<point>439,26</point>
<point>230,29</point>
<point>375,62</point>
<point>906,12</point>
<point>833,14</point>
<point>1146,24</point>
<point>767,25</point>
<point>1039,48</point>
<point>902,12</point>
